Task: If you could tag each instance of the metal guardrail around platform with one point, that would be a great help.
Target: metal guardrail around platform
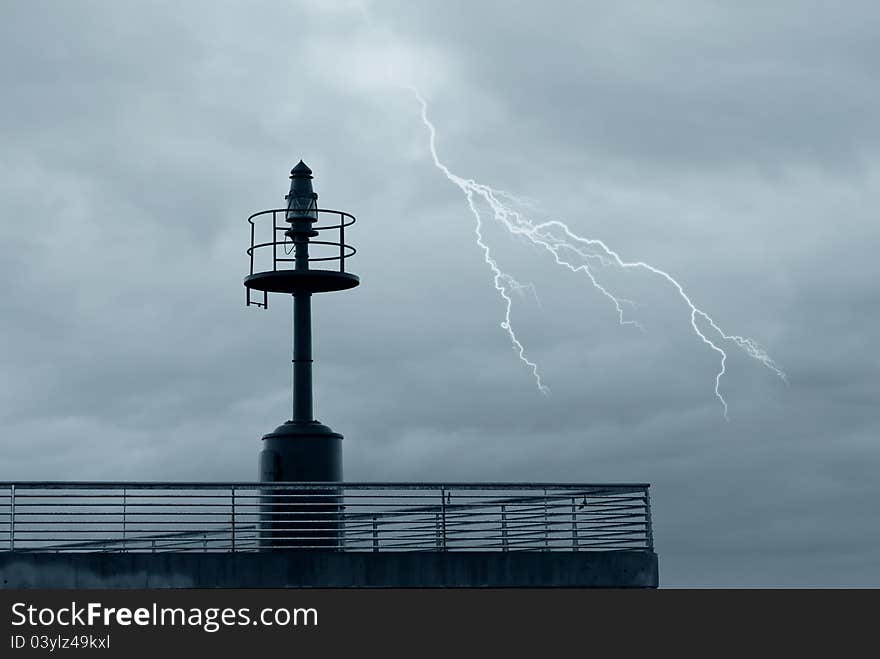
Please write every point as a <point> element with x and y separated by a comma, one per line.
<point>231,517</point>
<point>272,250</point>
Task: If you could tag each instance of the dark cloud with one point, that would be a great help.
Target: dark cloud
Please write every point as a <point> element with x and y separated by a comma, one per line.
<point>734,146</point>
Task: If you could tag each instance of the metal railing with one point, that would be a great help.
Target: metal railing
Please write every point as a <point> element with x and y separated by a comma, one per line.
<point>279,250</point>
<point>227,517</point>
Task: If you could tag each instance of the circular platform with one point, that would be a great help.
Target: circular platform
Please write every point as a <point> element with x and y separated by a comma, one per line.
<point>301,281</point>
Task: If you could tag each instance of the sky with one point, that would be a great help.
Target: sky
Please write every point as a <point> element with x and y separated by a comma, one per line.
<point>733,145</point>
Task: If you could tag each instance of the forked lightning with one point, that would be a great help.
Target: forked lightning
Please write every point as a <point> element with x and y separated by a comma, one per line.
<point>577,254</point>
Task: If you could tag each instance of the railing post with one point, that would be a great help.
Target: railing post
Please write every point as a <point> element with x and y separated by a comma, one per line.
<point>233,518</point>
<point>649,526</point>
<point>124,505</point>
<point>341,242</point>
<point>375,533</point>
<point>574,524</point>
<point>504,528</point>
<point>443,515</point>
<point>274,243</point>
<point>437,532</point>
<point>12,517</point>
<point>252,251</point>
<point>153,545</point>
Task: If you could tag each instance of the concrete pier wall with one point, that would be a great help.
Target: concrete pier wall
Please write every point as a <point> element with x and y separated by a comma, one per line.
<point>331,569</point>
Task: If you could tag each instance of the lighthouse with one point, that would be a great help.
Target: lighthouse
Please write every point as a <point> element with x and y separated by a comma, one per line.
<point>302,449</point>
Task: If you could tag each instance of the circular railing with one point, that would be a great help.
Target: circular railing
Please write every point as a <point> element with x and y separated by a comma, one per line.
<point>345,250</point>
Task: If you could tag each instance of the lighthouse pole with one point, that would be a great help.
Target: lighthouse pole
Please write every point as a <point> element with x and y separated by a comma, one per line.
<point>302,356</point>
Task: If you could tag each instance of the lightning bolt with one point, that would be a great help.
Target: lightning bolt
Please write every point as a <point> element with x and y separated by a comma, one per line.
<point>564,245</point>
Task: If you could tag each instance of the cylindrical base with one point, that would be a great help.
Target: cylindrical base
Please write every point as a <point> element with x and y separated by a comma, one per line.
<point>305,517</point>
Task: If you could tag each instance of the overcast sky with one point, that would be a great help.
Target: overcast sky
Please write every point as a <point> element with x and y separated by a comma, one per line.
<point>734,145</point>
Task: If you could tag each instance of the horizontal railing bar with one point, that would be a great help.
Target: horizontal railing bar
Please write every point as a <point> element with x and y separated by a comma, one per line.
<point>32,532</point>
<point>194,485</point>
<point>117,522</point>
<point>299,534</point>
<point>117,513</point>
<point>464,497</point>
<point>227,549</point>
<point>86,498</point>
<point>301,517</point>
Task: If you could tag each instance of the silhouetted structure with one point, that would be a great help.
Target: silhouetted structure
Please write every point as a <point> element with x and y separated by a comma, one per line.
<point>301,449</point>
